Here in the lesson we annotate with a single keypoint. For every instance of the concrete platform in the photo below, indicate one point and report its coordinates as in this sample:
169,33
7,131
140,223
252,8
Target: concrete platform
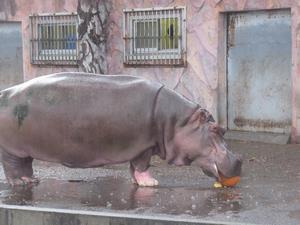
267,194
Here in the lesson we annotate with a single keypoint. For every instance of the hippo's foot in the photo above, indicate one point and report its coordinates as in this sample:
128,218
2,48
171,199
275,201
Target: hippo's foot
141,163
18,171
22,181
144,179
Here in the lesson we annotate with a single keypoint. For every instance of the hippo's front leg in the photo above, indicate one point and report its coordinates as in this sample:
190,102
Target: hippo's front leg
18,171
139,168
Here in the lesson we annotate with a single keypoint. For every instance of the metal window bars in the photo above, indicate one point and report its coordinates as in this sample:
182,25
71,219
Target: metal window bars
54,39
154,36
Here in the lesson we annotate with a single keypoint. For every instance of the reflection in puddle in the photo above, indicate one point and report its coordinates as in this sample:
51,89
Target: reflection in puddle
119,194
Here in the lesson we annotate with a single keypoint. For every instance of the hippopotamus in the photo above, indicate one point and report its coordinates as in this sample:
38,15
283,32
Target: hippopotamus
84,120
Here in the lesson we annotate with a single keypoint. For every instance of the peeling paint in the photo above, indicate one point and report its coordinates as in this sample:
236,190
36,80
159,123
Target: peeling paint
93,33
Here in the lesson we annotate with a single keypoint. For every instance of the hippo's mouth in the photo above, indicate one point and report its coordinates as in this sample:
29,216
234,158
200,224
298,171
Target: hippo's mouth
214,172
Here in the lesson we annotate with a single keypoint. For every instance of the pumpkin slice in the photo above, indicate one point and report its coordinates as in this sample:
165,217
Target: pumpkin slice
229,182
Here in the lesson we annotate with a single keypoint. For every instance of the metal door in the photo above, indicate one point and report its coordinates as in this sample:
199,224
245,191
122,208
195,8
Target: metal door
259,71
11,60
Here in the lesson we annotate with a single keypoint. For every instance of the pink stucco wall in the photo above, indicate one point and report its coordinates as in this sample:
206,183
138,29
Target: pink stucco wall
202,80
19,10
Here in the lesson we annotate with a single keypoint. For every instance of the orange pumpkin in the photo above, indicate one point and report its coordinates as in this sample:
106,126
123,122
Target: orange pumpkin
229,182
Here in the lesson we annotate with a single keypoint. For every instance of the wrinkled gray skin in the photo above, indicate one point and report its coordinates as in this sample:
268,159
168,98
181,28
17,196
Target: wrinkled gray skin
84,120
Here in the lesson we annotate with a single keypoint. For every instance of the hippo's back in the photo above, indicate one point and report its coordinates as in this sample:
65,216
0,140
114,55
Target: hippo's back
56,117
72,81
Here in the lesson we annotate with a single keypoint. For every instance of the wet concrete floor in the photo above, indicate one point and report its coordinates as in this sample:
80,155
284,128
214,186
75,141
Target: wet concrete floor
269,191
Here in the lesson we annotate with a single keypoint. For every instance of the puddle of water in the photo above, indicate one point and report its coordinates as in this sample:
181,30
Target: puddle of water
118,194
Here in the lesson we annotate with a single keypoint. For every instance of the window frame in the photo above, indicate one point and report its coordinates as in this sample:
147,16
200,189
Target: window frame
154,56
53,56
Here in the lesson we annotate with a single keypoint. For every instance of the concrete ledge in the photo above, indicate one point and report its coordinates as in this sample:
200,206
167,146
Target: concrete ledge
16,215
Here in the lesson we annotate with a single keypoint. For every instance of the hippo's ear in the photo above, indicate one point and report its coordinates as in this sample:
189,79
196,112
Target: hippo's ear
202,116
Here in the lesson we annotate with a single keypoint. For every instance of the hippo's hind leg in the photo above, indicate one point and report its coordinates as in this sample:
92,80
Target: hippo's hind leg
18,171
139,168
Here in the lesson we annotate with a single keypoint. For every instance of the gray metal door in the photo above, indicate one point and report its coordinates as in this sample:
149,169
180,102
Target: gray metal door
259,71
11,60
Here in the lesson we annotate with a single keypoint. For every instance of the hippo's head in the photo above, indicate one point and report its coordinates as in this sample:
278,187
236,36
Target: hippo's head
214,157
201,141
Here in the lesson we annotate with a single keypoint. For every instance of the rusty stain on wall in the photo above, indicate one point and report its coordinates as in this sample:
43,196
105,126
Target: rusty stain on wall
242,122
231,30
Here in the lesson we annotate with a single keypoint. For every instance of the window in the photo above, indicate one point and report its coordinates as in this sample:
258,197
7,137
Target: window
54,39
154,36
